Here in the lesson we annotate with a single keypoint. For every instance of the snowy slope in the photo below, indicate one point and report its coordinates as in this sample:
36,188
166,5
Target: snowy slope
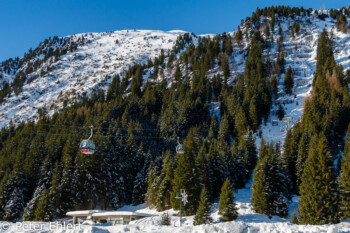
248,221
100,56
301,55
92,65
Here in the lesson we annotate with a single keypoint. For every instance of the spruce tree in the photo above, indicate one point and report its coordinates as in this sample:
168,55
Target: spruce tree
165,179
153,182
227,206
186,178
204,169
237,166
344,181
224,129
42,210
17,191
289,81
273,84
318,202
290,157
239,36
213,130
280,112
203,212
225,67
270,192
136,83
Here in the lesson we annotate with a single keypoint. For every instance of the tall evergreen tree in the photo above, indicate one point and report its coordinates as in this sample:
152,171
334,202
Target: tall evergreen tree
270,192
288,81
227,206
290,157
186,177
203,212
164,188
344,181
318,202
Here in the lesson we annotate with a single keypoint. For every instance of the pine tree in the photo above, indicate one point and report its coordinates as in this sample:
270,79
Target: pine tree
228,46
273,84
213,130
203,212
239,36
67,181
290,157
270,192
153,182
318,202
237,166
227,206
294,219
17,190
55,193
225,67
140,186
164,188
289,81
302,155
42,210
136,83
114,88
253,114
280,112
186,177
204,169
224,130
241,122
344,181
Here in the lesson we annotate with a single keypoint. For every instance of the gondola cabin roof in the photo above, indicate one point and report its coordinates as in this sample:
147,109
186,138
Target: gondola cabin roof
180,149
87,147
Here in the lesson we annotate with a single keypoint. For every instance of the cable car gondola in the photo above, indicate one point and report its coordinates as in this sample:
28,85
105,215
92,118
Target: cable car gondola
247,136
180,149
282,129
87,146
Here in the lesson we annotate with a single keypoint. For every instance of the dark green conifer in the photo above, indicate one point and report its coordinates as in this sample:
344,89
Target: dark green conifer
186,178
289,81
344,181
227,206
203,212
318,202
239,36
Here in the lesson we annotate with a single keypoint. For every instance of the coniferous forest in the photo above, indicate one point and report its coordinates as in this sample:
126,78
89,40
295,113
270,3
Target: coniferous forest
138,122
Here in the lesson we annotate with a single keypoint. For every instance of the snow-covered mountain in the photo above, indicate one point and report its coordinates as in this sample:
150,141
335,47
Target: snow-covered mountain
60,69
96,59
89,61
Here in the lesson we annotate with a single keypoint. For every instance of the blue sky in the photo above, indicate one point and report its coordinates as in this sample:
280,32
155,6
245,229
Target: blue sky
25,23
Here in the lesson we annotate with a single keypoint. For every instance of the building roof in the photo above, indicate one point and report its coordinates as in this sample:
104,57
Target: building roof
120,213
101,213
82,212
